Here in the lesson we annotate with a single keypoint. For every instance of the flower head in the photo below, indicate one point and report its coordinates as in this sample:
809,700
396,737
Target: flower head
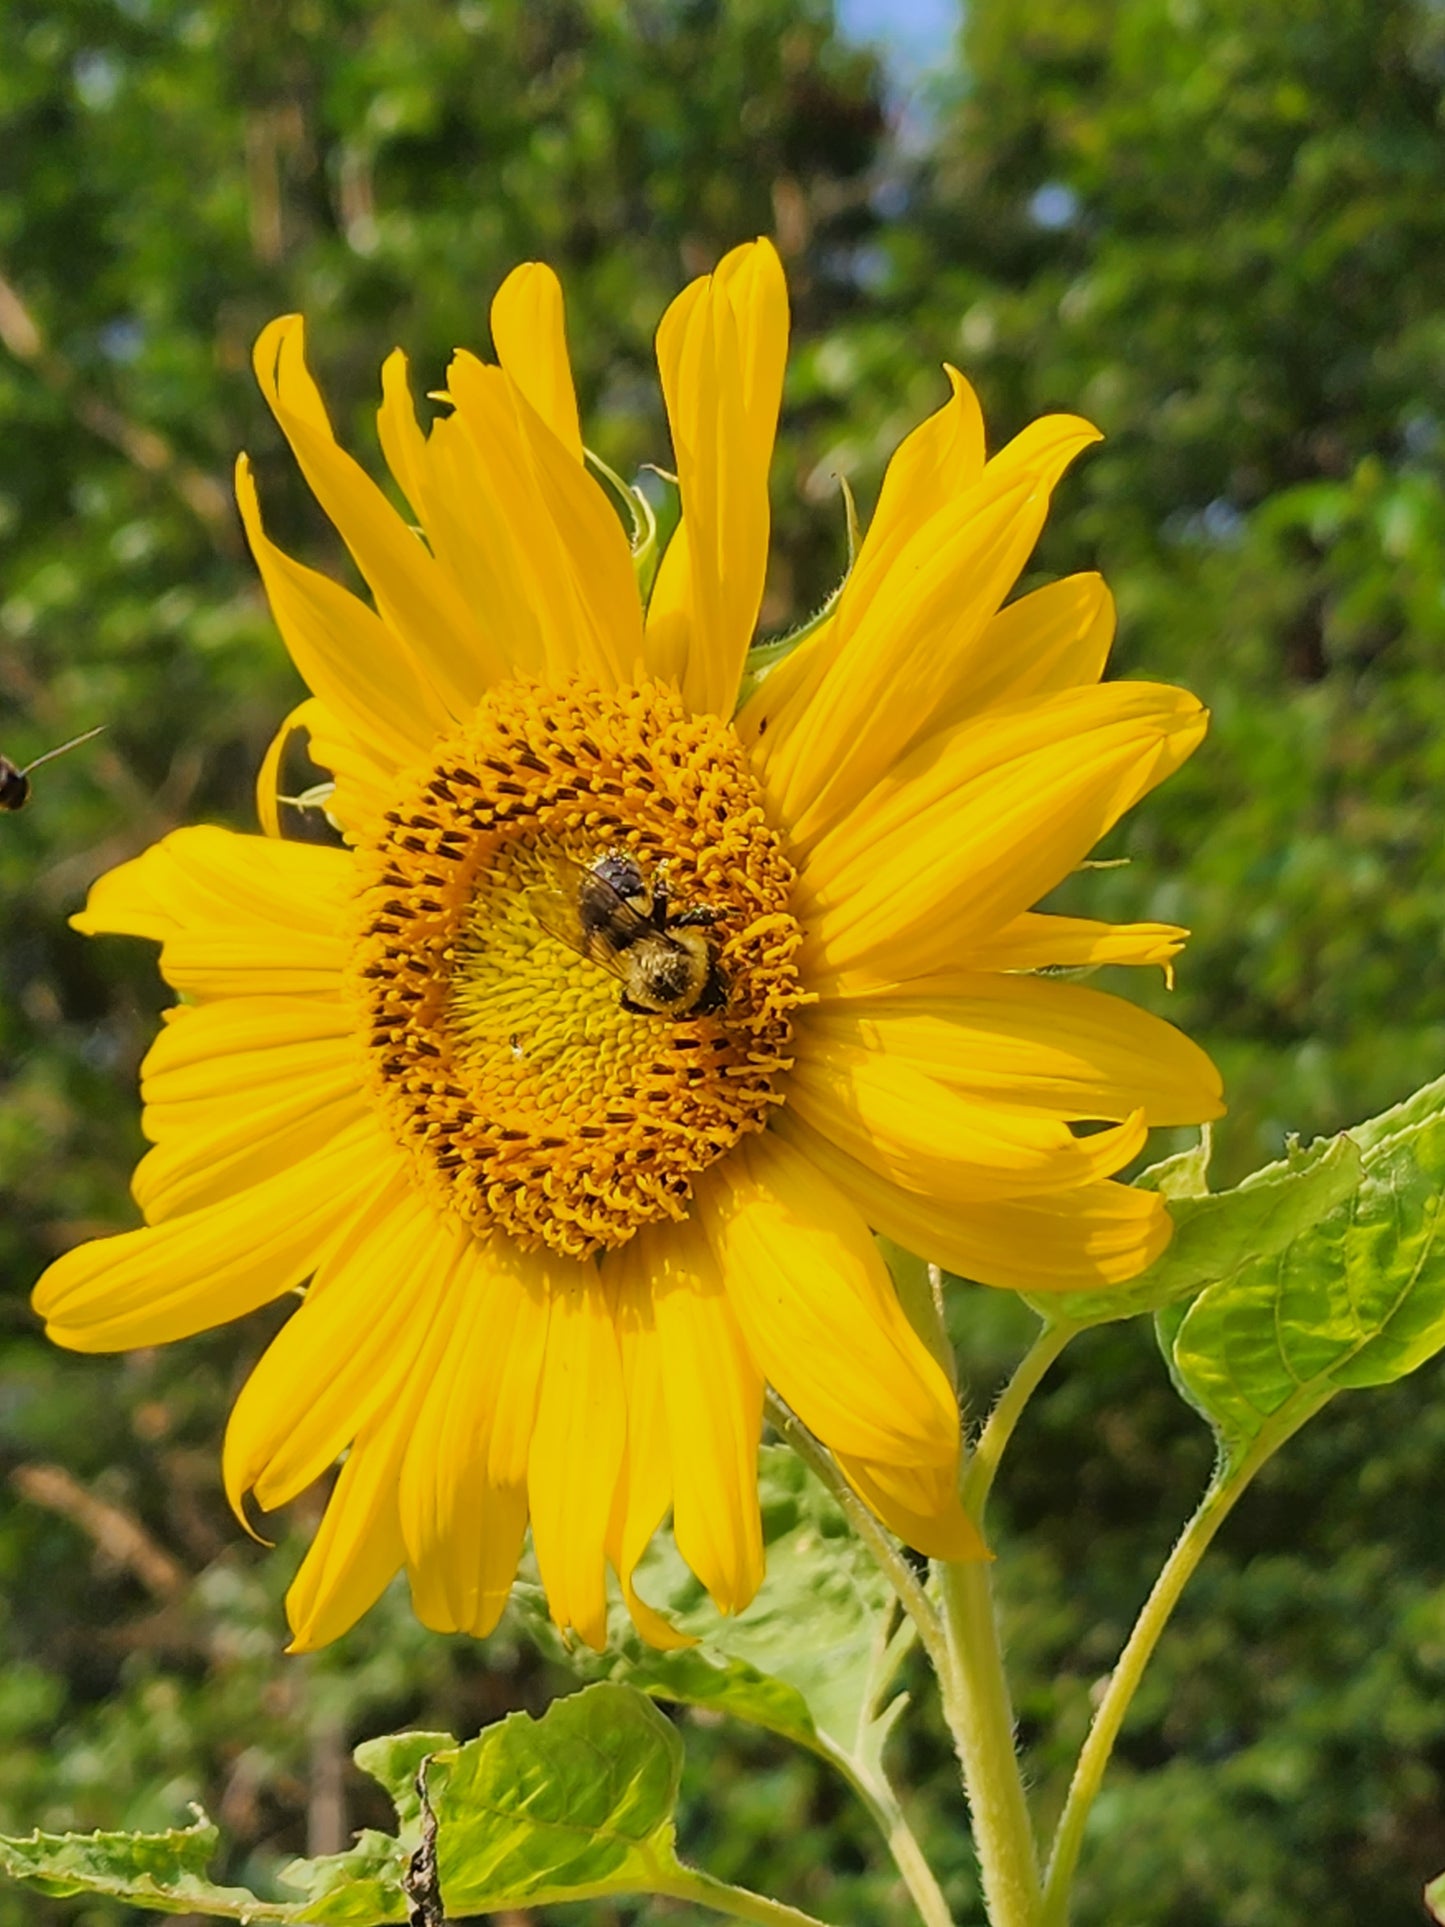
574,1084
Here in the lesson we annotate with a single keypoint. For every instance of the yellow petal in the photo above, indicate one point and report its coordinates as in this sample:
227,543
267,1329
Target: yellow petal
530,336
930,469
370,682
1085,1239
819,1310
1050,640
230,1152
236,915
720,350
963,842
238,1091
714,1395
919,1503
268,777
414,596
779,704
942,769
1034,1045
1029,942
644,1489
346,1355
905,640
362,787
203,1269
1058,637
671,620
932,466
568,547
207,1051
1034,942
577,1449
358,1549
915,1129
361,1544
462,1523
476,510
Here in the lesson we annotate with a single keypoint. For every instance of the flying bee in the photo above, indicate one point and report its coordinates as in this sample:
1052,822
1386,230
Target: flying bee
613,916
15,783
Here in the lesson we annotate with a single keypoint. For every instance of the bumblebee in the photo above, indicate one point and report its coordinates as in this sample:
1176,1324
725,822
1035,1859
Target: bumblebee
613,916
15,783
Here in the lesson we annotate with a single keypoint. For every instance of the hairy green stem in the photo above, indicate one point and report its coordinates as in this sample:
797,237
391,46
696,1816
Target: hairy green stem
1178,1569
918,1876
974,1685
983,1462
877,1795
896,1569
980,1717
689,1883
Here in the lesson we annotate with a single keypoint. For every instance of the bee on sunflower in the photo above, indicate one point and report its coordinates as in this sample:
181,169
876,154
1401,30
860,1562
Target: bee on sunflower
557,1233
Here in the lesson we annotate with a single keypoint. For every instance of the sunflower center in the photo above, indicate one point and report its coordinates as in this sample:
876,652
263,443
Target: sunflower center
575,962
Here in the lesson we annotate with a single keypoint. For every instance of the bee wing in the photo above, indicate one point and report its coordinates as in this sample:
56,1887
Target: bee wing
588,916
556,912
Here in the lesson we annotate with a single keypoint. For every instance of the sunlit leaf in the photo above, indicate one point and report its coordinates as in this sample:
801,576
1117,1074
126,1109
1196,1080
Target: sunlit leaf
1356,1299
162,1872
577,1803
364,1885
166,1872
361,1888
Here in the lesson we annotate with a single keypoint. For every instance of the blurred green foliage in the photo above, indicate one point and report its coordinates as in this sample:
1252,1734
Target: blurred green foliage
1219,230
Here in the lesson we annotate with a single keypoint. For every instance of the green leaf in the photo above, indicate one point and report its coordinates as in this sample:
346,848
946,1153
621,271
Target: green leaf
798,1661
576,1804
1186,1174
1357,1298
164,1872
395,1760
360,1888
1419,1108
363,1886
1435,1897
1218,1232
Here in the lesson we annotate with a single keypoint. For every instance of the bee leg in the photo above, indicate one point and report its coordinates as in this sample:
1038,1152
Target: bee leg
634,1009
698,917
714,995
661,898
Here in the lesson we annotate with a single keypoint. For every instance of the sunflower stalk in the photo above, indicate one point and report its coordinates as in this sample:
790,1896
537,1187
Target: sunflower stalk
1223,1493
737,1903
981,1466
979,1712
878,1796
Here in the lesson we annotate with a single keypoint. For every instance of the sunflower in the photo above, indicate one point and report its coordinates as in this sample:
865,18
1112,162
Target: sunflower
553,1234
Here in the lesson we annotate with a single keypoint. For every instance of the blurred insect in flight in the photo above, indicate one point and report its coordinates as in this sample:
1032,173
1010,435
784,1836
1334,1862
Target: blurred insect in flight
15,783
613,916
